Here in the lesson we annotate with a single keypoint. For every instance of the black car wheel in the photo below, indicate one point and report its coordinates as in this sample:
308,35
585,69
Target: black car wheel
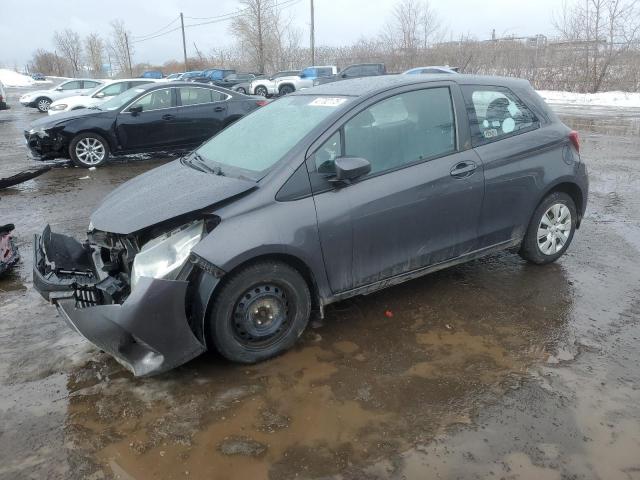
551,229
262,91
89,150
241,90
259,312
43,104
286,89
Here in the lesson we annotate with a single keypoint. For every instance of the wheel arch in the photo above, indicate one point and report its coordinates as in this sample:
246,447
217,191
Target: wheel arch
286,84
102,133
570,188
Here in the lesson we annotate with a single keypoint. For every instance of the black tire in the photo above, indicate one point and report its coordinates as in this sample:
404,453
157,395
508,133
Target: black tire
81,161
286,89
241,90
533,243
261,90
280,297
43,104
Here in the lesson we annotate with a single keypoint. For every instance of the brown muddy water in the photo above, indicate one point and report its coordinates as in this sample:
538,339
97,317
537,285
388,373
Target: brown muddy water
493,369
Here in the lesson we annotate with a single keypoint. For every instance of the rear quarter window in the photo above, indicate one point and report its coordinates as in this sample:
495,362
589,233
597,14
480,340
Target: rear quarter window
496,113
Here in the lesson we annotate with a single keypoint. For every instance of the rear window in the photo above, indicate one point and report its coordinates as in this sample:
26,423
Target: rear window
496,113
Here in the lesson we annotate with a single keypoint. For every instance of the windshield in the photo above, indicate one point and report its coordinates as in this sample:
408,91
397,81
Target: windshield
120,100
282,124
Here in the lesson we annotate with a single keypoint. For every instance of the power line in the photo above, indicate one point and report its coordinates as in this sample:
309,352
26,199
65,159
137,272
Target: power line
157,31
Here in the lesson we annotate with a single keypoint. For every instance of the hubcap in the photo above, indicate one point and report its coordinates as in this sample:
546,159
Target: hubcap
260,317
554,229
261,91
44,105
90,151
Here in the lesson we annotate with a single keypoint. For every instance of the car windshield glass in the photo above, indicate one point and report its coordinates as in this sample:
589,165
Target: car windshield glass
120,100
93,90
282,124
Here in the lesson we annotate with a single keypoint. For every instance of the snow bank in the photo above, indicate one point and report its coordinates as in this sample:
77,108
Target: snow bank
604,99
14,79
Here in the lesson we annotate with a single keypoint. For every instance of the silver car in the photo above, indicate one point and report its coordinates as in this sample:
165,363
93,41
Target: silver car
42,99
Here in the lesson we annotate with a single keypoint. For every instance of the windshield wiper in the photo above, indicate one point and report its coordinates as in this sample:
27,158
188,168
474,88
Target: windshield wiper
199,163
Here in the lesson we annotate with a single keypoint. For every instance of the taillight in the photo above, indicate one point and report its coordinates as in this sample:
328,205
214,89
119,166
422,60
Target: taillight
262,103
575,140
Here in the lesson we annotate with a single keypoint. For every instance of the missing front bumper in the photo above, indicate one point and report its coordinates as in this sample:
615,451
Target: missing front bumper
148,333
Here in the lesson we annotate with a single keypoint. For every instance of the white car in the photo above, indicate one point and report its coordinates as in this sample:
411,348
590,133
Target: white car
266,86
42,99
286,85
433,70
109,89
3,98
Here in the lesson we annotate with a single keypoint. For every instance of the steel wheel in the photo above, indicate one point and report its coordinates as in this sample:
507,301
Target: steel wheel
44,104
554,229
261,316
90,151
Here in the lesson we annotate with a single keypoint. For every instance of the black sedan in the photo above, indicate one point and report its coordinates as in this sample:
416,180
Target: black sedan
159,116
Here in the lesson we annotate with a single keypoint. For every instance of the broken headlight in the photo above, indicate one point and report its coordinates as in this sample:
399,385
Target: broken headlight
163,256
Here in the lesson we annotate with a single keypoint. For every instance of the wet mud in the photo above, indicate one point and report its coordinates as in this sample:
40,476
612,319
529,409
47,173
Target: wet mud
492,369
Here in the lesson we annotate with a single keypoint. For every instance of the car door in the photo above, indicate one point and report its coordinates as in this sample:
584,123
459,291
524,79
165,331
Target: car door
201,113
506,135
419,205
153,127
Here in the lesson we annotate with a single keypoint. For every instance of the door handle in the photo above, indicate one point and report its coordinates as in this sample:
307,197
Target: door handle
168,116
218,109
463,169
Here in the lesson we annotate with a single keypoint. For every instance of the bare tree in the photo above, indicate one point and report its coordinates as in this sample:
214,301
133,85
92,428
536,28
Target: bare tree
68,44
120,51
606,30
47,63
94,50
252,29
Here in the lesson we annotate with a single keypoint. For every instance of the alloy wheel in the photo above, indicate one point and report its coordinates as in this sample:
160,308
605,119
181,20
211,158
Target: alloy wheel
43,105
554,229
90,151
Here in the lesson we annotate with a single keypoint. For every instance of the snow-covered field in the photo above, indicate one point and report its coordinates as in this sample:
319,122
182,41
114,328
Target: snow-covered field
603,99
13,79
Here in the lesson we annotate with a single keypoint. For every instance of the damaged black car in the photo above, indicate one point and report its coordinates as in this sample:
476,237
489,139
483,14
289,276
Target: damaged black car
350,187
153,117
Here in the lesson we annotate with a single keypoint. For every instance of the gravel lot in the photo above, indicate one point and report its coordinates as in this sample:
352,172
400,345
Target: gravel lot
493,369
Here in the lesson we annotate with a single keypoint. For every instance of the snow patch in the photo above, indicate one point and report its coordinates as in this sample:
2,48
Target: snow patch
603,99
13,79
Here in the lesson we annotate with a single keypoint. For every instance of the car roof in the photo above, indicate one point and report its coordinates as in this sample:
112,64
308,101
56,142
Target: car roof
159,85
365,86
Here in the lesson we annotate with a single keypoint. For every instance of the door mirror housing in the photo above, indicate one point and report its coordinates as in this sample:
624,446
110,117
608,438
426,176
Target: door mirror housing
99,95
58,89
350,168
135,110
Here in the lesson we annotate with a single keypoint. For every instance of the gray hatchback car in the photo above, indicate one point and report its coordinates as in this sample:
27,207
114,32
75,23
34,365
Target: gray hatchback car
351,187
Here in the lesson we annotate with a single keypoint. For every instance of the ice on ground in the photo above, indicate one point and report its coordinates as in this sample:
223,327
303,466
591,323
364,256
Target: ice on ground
603,99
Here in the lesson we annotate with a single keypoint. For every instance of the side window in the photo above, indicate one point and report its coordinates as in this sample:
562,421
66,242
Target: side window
194,96
114,89
90,84
496,113
218,96
74,85
403,129
155,100
353,71
368,70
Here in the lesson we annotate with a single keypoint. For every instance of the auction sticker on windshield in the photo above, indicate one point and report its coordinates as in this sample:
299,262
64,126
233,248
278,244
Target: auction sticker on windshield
327,102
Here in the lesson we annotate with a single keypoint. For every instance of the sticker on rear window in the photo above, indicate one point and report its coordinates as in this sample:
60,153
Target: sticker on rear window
327,102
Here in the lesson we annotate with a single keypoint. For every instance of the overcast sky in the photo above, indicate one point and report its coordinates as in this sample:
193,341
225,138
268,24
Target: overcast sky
28,25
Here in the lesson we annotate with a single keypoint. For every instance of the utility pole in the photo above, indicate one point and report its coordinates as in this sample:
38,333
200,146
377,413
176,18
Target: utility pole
126,41
313,37
184,43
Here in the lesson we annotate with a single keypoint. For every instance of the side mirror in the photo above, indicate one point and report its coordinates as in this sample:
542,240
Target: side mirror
135,110
58,89
344,75
99,95
350,168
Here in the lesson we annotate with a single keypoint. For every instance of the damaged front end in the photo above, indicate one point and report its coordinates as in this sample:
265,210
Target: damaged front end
150,322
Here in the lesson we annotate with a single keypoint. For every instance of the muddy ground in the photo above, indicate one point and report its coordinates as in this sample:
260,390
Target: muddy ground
493,369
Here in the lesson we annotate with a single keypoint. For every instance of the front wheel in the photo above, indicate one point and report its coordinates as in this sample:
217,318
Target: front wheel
551,229
261,91
259,312
43,104
286,90
89,150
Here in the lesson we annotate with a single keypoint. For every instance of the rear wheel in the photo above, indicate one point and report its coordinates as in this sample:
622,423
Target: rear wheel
89,150
259,312
286,89
241,90
43,104
551,229
262,91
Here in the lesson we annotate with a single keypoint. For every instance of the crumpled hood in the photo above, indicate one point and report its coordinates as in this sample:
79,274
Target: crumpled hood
53,120
162,194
